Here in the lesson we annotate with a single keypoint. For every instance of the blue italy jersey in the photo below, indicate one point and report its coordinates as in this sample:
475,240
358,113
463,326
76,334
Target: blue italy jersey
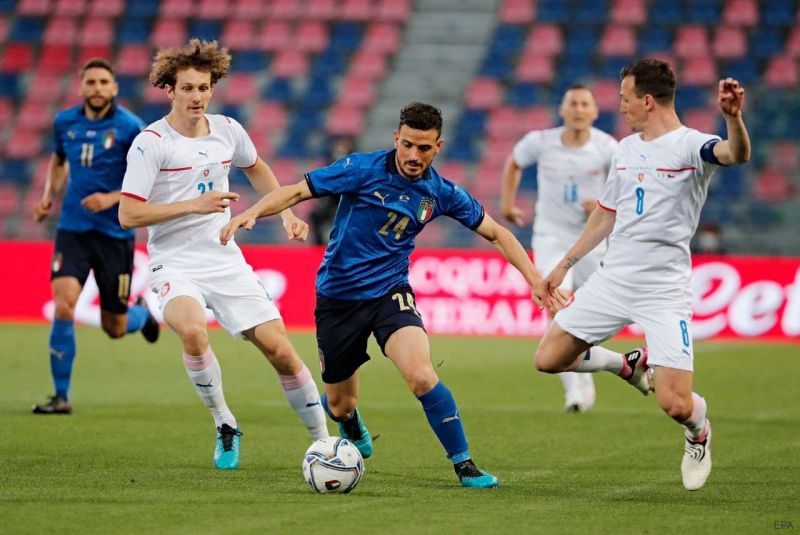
96,152
379,216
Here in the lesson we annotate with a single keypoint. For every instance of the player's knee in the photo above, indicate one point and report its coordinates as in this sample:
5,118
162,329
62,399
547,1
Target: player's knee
422,381
544,362
285,359
114,330
65,310
194,338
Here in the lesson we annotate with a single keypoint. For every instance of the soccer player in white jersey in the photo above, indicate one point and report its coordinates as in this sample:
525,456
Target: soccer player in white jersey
572,162
650,206
177,185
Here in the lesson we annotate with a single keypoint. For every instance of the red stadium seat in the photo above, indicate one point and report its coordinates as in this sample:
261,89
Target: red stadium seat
251,10
133,59
275,36
793,42
3,29
704,120
606,94
700,71
61,31
34,8
91,52
311,36
286,9
321,10
773,186
177,9
618,41
517,12
368,65
545,39
393,10
628,12
382,37
729,42
505,123
154,95
691,41
97,32
483,94
17,57
56,58
290,64
23,144
286,171
357,92
263,143
239,89
70,8
453,171
355,10
9,199
535,68
344,121
213,10
239,35
784,155
269,117
740,13
781,73
45,87
536,118
168,33
6,111
106,8
34,116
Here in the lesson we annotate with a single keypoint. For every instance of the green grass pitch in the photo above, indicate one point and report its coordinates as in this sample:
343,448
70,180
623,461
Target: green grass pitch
136,455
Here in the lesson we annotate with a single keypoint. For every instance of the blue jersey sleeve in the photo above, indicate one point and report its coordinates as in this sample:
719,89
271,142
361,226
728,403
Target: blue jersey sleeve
461,206
58,140
342,176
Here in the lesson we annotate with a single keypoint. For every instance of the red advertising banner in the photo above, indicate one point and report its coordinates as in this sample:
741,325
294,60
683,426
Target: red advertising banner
471,292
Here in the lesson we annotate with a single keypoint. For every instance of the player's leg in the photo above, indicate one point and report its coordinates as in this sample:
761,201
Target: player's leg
340,402
112,261
295,378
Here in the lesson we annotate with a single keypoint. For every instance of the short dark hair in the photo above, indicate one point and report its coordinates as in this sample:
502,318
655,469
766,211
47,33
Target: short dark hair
97,63
421,116
652,77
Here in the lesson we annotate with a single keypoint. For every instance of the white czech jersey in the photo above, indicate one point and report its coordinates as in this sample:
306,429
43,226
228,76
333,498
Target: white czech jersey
165,167
566,177
657,189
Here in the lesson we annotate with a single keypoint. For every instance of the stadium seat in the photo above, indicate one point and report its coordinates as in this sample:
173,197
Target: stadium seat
34,116
346,36
356,92
740,13
344,121
483,93
91,52
594,12
766,42
168,33
311,36
355,10
452,171
251,10
743,69
507,39
555,11
141,9
254,61
393,10
154,95
785,155
69,8
213,10
535,69
522,94
275,36
618,41
133,60
705,12
793,42
517,12
655,40
781,73
9,199
279,89
729,42
208,30
704,120
691,41
666,13
382,37
23,144
10,85
106,8
27,30
628,12
34,8
504,123
61,31
368,65
270,117
700,71
778,12
6,110
45,87
176,9
773,186
133,31
321,10
581,41
3,29
130,87
286,9
239,89
97,32
17,58
606,94
290,64
536,118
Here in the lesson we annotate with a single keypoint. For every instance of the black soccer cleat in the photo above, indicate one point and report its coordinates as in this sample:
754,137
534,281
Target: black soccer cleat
151,328
472,476
56,405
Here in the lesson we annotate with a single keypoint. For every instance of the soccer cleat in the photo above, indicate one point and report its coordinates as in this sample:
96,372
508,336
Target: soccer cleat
472,476
639,378
151,328
226,453
696,463
582,397
56,405
354,430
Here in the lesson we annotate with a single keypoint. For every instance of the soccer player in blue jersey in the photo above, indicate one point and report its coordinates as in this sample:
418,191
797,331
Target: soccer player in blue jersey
387,198
91,142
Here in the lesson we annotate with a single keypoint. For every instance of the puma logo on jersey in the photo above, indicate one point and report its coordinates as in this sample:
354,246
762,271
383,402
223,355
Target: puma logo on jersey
140,149
347,162
201,153
381,197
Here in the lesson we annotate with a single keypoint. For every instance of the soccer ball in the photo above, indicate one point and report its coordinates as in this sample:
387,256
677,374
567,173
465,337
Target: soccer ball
333,464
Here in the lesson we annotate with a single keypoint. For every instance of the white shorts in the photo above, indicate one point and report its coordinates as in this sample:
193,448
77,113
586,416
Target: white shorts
549,250
602,308
237,297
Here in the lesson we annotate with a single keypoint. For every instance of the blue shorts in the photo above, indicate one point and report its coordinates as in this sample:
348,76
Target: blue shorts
343,328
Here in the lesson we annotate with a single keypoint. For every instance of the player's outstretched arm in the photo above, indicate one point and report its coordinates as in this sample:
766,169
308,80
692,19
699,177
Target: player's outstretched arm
512,174
54,183
264,181
273,203
135,213
730,99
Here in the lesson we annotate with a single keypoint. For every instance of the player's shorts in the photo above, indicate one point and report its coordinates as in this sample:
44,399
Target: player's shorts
76,253
343,328
603,307
548,252
236,296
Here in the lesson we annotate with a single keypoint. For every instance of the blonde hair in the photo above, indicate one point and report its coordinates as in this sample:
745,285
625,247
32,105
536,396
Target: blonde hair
205,56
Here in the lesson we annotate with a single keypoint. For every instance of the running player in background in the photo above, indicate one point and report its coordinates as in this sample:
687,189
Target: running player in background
177,185
90,143
650,206
387,198
572,162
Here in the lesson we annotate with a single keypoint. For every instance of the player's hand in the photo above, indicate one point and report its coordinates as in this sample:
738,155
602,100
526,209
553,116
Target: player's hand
513,214
246,219
296,228
97,202
588,206
730,98
42,210
214,201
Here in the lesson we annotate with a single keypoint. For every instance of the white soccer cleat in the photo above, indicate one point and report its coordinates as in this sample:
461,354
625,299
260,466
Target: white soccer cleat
640,379
580,397
696,464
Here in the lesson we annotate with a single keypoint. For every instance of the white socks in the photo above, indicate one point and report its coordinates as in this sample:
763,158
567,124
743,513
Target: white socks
600,359
697,424
206,376
302,394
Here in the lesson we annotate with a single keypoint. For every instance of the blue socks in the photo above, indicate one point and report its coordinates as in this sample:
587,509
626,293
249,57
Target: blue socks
137,316
443,417
62,353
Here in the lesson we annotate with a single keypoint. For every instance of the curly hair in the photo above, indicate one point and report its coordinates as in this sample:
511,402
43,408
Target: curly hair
205,56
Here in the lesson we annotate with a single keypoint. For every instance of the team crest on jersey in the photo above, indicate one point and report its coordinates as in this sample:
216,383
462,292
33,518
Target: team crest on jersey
425,210
164,289
640,176
205,172
108,139
58,261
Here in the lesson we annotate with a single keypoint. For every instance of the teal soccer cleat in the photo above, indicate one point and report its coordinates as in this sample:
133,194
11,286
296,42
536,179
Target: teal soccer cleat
472,476
226,452
356,432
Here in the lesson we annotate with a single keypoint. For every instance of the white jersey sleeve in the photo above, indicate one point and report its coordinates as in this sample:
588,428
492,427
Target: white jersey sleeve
527,150
144,162
693,143
244,153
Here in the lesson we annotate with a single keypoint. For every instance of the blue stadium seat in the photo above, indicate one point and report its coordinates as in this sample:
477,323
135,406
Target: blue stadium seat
250,61
18,171
295,145
507,39
555,11
330,62
728,183
234,112
744,70
766,42
669,12
496,65
607,122
687,97
7,6
130,86
10,85
141,9
462,148
761,215
716,211
705,12
134,31
280,90
151,113
472,122
318,93
655,39
27,30
523,94
581,41
345,36
210,30
778,12
589,12
611,66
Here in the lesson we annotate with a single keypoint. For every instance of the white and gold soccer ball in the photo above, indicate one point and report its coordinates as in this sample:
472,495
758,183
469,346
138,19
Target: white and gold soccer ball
333,464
